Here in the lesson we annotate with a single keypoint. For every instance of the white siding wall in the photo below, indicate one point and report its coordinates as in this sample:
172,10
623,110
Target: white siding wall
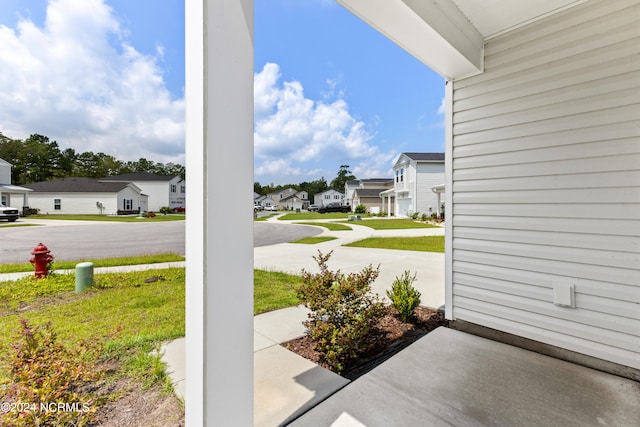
546,182
158,192
428,176
5,173
74,203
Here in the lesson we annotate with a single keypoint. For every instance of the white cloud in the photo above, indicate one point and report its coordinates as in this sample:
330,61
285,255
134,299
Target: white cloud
294,133
78,81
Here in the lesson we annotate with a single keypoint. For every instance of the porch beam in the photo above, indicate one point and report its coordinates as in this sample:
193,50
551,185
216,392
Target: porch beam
434,31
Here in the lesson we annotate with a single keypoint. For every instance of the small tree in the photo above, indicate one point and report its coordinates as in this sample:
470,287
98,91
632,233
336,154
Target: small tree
343,310
404,297
361,209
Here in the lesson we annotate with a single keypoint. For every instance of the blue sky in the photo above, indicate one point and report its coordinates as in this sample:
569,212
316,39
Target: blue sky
108,75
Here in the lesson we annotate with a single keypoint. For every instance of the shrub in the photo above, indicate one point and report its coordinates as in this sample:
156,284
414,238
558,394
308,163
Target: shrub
165,210
415,215
404,297
343,310
150,215
44,374
424,217
361,209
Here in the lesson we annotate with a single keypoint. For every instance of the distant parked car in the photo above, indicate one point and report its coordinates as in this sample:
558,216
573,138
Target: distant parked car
257,207
334,207
272,208
10,214
313,208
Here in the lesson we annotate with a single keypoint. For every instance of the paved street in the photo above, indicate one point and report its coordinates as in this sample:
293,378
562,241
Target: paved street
72,240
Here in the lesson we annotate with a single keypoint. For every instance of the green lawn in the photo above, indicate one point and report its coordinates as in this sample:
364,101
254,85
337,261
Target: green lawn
274,290
106,262
392,224
128,316
332,226
118,218
314,215
264,218
422,243
315,239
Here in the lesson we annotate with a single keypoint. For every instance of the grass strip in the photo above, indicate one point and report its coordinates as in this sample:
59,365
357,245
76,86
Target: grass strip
113,218
273,290
105,262
393,224
422,243
313,240
303,216
332,226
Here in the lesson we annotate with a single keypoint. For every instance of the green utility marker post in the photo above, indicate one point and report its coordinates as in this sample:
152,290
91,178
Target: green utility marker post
84,276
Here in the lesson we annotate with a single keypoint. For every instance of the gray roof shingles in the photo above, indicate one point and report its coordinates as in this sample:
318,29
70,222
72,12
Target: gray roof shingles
76,185
138,176
433,157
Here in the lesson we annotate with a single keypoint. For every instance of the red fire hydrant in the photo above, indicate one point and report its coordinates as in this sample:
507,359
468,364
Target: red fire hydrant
41,260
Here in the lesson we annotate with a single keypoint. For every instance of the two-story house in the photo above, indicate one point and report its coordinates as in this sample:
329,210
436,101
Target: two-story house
414,176
11,195
289,199
328,196
366,192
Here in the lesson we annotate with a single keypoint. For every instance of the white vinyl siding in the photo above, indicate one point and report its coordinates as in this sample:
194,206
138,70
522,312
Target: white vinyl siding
546,182
428,176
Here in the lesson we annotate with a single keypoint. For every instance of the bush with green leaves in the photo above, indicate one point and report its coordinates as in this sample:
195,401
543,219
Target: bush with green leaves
424,217
44,375
415,215
165,210
361,209
404,297
343,310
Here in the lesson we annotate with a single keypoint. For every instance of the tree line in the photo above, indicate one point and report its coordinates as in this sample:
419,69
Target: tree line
38,159
311,187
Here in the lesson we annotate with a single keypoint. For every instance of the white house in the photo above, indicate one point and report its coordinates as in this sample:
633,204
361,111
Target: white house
163,190
328,196
289,198
542,165
11,195
86,196
414,174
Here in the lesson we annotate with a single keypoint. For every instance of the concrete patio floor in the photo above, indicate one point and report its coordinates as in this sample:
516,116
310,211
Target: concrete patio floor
452,378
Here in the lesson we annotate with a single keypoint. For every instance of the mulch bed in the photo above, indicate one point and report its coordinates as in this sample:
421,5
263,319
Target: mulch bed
389,336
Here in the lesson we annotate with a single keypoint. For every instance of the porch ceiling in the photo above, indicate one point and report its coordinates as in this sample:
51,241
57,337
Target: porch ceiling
448,35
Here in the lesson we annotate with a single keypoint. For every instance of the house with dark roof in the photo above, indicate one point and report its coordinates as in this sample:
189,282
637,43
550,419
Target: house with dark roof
289,198
163,190
351,185
414,176
86,196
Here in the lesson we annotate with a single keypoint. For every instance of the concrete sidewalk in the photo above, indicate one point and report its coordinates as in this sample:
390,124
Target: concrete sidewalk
428,266
285,385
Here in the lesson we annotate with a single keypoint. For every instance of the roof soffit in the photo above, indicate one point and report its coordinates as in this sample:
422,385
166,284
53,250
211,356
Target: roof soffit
434,31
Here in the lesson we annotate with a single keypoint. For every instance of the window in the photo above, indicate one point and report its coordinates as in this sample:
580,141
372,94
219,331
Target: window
182,189
401,174
128,204
5,201
327,196
173,188
336,197
397,175
57,205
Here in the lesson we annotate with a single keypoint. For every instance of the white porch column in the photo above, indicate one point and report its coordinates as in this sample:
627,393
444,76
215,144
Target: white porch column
219,247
